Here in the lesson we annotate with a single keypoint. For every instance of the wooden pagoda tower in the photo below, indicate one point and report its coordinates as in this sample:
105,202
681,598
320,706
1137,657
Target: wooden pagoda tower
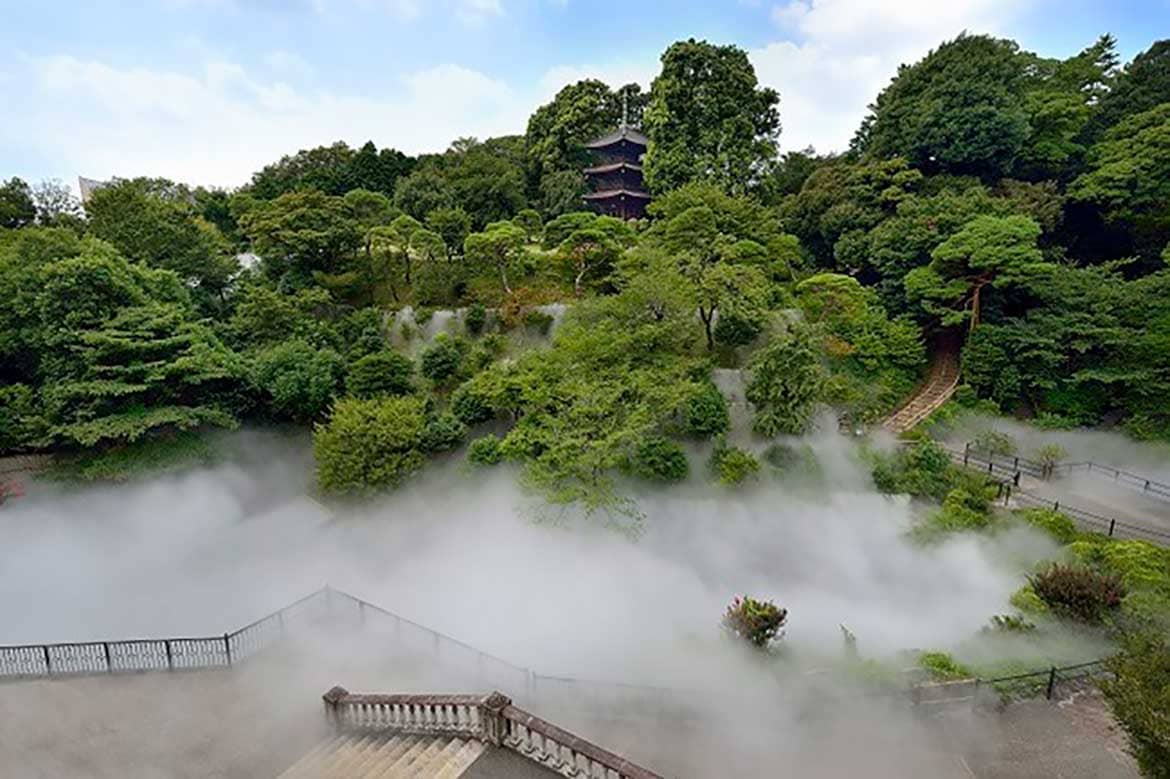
615,179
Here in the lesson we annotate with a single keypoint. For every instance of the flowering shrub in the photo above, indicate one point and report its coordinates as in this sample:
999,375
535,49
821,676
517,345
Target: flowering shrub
1078,592
758,622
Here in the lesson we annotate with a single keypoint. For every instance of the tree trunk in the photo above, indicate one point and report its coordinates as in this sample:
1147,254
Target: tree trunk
504,279
581,269
707,316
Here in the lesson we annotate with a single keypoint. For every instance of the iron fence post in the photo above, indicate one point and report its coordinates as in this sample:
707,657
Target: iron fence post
227,648
170,657
106,650
1056,505
966,453
1051,682
1112,524
48,662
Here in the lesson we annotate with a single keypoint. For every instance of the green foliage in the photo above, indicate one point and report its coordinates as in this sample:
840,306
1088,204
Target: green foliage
961,109
705,412
298,380
380,373
1139,696
22,422
731,465
442,433
1055,524
301,232
334,170
995,442
659,459
943,667
962,511
1009,623
369,444
709,119
441,361
497,249
146,369
1077,592
16,204
784,384
1128,175
758,622
128,461
476,318
485,450
922,470
264,316
163,233
453,225
530,222
989,250
1026,600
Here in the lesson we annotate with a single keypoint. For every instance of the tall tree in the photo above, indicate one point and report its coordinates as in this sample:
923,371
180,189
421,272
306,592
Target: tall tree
16,204
960,109
301,232
708,118
1141,86
56,204
162,232
558,130
1128,176
497,249
988,251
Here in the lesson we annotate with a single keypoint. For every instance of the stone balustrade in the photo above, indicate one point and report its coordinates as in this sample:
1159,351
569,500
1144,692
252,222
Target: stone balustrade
492,719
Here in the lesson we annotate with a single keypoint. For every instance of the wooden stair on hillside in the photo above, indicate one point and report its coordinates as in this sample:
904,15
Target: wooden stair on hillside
938,389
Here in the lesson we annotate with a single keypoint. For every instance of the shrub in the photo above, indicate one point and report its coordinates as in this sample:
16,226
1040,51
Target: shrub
22,423
380,373
471,406
995,442
922,470
659,459
369,444
441,360
942,666
1026,600
442,433
706,412
732,465
785,380
476,318
734,329
1049,456
961,511
1055,524
758,622
539,321
299,380
1077,592
1009,623
485,451
1139,695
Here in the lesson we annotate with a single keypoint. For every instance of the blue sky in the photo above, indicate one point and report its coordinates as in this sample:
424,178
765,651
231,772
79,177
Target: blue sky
209,90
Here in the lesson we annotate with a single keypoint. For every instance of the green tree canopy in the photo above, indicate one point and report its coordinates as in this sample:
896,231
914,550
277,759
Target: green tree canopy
369,444
784,384
303,232
17,208
708,119
989,250
960,109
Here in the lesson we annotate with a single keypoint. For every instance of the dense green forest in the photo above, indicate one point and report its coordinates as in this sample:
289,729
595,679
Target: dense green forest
1014,204
1023,202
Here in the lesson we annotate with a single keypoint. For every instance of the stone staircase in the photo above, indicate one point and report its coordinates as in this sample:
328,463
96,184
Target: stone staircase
387,755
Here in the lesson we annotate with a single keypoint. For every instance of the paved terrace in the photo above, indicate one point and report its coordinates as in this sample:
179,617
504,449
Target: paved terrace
261,716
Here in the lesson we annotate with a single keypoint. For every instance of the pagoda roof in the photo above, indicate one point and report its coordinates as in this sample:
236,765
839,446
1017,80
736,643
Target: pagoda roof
608,193
612,167
618,135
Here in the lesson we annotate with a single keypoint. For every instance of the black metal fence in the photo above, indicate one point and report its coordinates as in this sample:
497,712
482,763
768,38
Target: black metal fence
157,654
1008,470
1039,470
1049,682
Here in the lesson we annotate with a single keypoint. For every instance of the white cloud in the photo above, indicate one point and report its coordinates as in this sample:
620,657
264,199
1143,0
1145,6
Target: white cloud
838,54
615,74
219,124
475,11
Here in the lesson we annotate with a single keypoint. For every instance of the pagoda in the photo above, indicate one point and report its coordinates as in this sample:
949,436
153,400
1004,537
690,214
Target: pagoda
615,180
